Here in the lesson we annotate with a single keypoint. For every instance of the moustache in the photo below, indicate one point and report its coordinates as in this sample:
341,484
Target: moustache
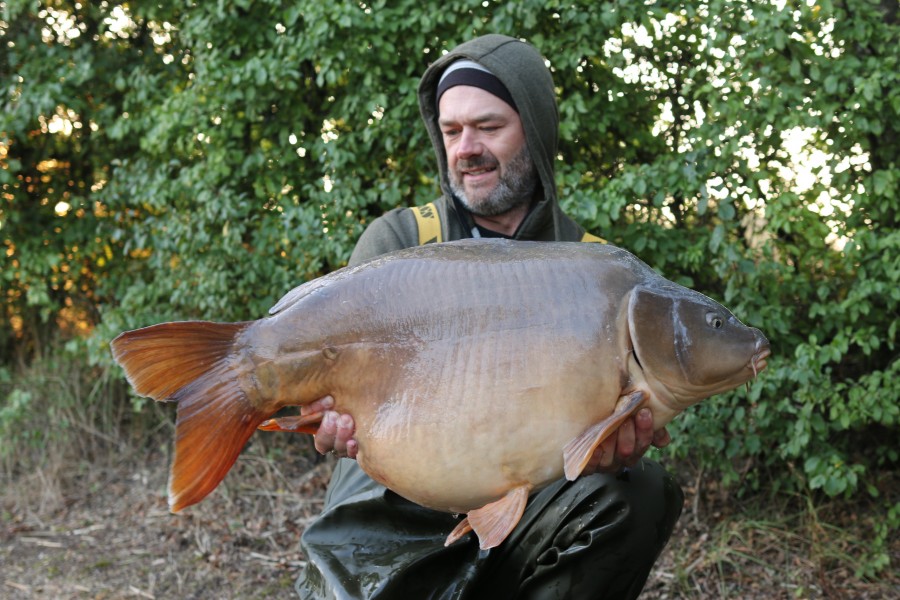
479,162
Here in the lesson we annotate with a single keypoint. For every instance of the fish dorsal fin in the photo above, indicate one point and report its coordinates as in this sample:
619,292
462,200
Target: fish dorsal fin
297,293
493,522
578,452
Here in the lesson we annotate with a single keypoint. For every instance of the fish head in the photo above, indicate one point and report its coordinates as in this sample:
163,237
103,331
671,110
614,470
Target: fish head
691,345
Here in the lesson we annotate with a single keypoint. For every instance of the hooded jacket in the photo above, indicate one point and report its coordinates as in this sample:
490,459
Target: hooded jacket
522,70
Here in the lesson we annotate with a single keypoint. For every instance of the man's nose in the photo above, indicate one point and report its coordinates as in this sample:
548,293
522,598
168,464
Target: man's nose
469,144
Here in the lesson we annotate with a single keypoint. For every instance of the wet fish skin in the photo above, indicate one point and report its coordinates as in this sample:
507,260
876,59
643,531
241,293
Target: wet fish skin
468,367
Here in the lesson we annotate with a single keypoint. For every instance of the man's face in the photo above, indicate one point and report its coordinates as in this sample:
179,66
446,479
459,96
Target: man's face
489,167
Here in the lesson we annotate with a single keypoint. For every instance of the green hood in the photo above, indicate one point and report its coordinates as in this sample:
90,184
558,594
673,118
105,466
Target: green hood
524,73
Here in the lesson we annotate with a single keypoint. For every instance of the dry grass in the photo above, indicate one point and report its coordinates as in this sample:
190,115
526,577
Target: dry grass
107,533
773,548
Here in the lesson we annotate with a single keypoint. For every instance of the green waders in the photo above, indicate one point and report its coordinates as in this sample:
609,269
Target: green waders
596,537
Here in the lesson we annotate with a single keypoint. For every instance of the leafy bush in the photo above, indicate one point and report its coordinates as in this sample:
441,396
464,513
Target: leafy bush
166,161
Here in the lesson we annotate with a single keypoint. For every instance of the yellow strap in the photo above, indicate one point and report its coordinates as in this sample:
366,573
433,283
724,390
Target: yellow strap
587,237
429,223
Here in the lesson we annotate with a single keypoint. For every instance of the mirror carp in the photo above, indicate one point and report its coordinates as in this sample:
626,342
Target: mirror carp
476,371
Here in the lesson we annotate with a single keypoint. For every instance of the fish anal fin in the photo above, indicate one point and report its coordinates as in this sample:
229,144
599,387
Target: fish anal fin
578,452
460,530
494,522
297,424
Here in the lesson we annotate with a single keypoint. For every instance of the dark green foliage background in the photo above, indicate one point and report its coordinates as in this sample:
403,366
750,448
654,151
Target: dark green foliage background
203,134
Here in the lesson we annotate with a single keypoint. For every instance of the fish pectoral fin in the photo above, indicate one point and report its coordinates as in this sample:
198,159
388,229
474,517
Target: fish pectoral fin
297,424
493,522
578,452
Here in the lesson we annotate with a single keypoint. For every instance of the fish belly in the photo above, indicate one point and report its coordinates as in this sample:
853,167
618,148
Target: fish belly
468,420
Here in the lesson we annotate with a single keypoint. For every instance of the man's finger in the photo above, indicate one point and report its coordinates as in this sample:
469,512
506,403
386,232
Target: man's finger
625,443
352,449
643,431
321,405
343,435
608,451
661,438
327,431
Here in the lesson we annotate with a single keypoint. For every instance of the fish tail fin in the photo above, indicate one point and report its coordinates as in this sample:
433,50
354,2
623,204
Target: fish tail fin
189,363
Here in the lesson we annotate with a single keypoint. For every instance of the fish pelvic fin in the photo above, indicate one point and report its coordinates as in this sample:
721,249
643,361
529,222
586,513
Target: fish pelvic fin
577,453
493,522
189,363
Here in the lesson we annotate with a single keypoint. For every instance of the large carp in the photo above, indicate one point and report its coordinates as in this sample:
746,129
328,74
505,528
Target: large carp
476,372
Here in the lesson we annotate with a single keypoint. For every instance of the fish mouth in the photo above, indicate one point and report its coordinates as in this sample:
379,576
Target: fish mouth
758,360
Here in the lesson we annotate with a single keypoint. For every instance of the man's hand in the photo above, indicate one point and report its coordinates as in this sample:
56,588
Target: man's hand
626,446
335,434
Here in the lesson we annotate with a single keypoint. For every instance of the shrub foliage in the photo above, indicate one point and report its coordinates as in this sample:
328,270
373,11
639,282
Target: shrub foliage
174,160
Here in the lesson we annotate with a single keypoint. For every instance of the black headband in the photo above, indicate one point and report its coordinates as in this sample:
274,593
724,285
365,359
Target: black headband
466,72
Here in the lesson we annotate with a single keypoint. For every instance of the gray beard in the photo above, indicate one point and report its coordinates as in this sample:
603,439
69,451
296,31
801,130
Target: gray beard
515,187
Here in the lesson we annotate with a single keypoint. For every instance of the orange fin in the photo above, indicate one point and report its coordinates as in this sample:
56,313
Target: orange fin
578,452
189,363
161,359
460,530
493,522
298,424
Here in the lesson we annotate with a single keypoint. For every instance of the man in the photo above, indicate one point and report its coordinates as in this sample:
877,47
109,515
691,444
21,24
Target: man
490,110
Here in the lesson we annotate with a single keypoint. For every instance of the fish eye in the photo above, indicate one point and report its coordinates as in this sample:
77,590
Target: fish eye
714,320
